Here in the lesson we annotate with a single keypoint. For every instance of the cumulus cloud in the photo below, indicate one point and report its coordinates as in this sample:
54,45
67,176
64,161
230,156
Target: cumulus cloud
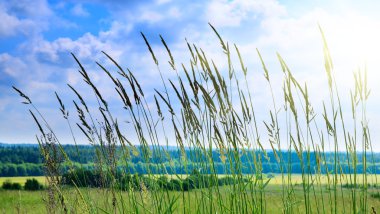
118,30
29,8
85,46
11,25
28,18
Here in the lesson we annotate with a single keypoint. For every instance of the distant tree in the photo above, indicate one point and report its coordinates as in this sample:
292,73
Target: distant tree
32,184
12,171
3,170
8,185
21,170
176,185
163,181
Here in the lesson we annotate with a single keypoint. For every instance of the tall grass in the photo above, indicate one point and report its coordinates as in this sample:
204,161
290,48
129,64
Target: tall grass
205,112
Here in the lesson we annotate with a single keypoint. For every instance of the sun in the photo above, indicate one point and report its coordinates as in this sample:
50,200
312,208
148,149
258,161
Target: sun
355,45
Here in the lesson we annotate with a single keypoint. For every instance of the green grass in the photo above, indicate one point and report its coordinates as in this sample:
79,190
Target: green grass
31,202
14,201
297,179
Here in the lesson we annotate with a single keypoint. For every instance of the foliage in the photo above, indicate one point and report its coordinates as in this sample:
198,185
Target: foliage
23,167
90,178
33,184
376,195
8,185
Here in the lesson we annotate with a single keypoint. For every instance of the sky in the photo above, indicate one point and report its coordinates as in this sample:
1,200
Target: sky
37,37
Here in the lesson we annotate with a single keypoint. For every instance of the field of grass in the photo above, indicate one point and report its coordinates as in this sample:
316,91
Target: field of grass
275,180
297,179
22,180
20,201
32,202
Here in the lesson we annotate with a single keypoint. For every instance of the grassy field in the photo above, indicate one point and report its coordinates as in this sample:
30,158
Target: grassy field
297,179
275,180
32,202
22,180
14,201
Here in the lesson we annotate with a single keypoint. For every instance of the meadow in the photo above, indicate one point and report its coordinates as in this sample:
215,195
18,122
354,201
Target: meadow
33,201
275,179
209,111
22,179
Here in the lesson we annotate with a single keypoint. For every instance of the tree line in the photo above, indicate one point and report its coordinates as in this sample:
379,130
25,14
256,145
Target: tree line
21,160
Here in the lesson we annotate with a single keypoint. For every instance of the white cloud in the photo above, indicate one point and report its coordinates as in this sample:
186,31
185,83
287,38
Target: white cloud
29,8
43,86
12,66
159,2
11,25
150,16
72,76
28,18
84,47
232,13
153,14
79,10
174,12
117,30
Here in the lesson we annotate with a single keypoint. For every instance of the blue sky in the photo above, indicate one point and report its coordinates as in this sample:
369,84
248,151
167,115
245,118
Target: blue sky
37,36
